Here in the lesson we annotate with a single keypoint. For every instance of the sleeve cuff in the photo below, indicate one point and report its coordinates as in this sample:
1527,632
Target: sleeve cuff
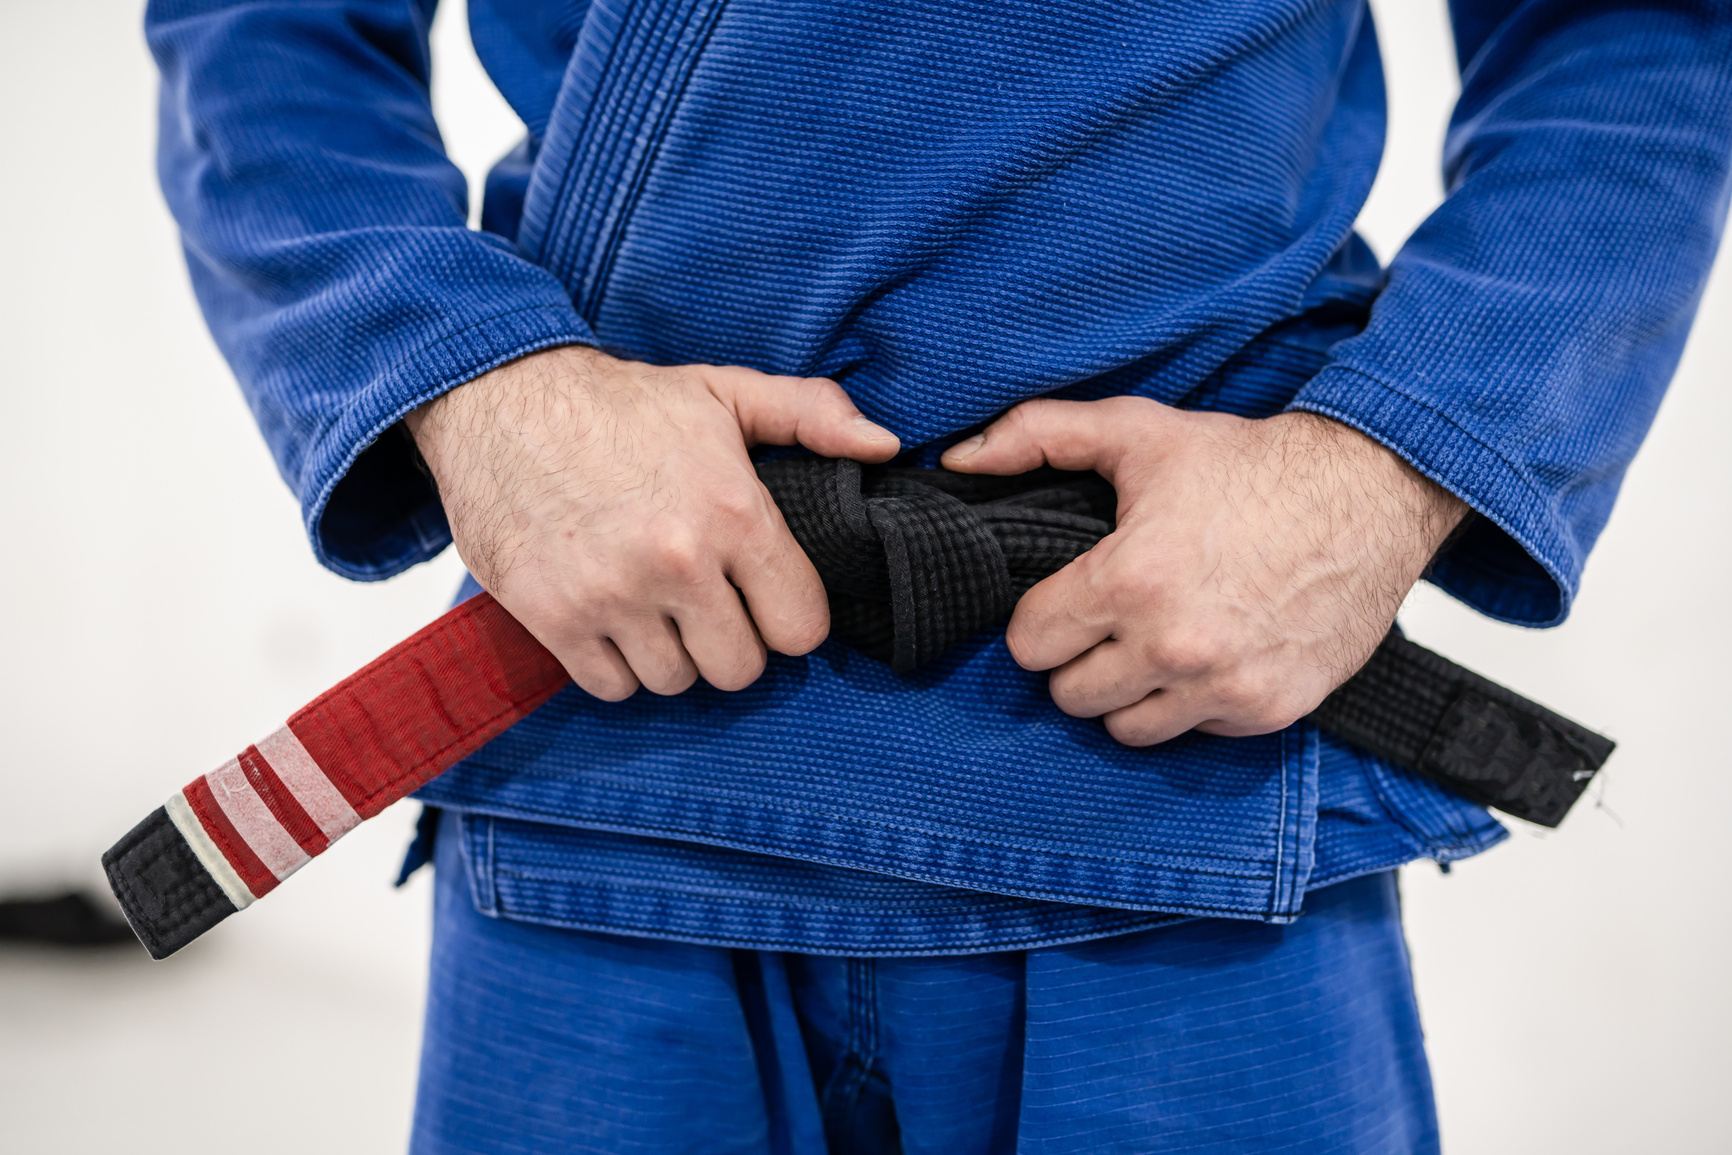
372,511
1516,561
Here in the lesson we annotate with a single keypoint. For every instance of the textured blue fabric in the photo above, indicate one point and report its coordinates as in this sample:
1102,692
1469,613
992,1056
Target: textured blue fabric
1121,833
1211,1036
950,208
1370,817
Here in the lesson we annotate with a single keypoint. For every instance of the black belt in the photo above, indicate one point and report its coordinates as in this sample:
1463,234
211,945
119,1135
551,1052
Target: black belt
916,560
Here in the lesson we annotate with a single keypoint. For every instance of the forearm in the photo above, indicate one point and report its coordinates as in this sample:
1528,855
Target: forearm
1530,326
327,239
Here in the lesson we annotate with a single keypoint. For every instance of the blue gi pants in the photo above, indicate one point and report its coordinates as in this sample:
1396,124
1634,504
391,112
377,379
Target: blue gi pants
1207,1036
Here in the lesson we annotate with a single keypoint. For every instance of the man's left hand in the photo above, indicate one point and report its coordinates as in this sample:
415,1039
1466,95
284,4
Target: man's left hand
1255,567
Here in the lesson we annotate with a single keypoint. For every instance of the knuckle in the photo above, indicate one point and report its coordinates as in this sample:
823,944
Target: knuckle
1261,714
1022,419
671,682
805,635
1068,697
602,681
741,503
1019,640
1242,696
821,391
1262,722
604,595
740,670
1130,731
662,671
801,621
1281,712
1186,652
678,553
1118,576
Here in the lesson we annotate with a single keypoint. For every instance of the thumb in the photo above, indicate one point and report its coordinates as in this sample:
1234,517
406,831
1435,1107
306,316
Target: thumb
811,411
1063,434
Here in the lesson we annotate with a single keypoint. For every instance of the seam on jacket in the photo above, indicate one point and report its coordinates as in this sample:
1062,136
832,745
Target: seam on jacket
787,808
984,944
578,134
634,193
1279,894
594,882
1201,909
1190,907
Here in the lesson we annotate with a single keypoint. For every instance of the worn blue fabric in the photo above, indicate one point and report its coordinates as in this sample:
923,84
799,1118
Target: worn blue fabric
952,207
1210,1036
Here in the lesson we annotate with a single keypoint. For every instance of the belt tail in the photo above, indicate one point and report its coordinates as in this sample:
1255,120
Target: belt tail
230,836
1486,742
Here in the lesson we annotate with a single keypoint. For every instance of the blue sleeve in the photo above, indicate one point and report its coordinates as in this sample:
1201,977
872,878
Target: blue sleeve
326,235
1530,326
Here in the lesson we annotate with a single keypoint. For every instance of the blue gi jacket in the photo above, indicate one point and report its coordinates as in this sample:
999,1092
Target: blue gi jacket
950,208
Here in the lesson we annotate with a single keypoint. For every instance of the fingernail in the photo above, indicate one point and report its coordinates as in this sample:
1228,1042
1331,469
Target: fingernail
872,431
963,450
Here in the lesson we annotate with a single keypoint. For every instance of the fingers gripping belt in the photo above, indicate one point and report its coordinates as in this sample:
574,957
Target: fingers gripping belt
914,561
917,560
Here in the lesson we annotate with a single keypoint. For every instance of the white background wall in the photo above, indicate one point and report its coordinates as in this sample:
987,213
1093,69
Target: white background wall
160,609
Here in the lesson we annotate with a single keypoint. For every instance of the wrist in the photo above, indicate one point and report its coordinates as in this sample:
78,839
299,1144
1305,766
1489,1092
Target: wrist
496,396
1382,490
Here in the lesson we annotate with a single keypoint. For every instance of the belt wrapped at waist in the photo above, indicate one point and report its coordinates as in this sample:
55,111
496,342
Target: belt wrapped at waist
914,561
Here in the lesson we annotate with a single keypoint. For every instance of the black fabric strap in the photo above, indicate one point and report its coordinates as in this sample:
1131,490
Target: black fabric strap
916,560
167,894
1424,712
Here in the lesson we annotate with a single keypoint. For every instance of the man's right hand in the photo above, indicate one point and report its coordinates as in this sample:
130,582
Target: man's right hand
611,507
